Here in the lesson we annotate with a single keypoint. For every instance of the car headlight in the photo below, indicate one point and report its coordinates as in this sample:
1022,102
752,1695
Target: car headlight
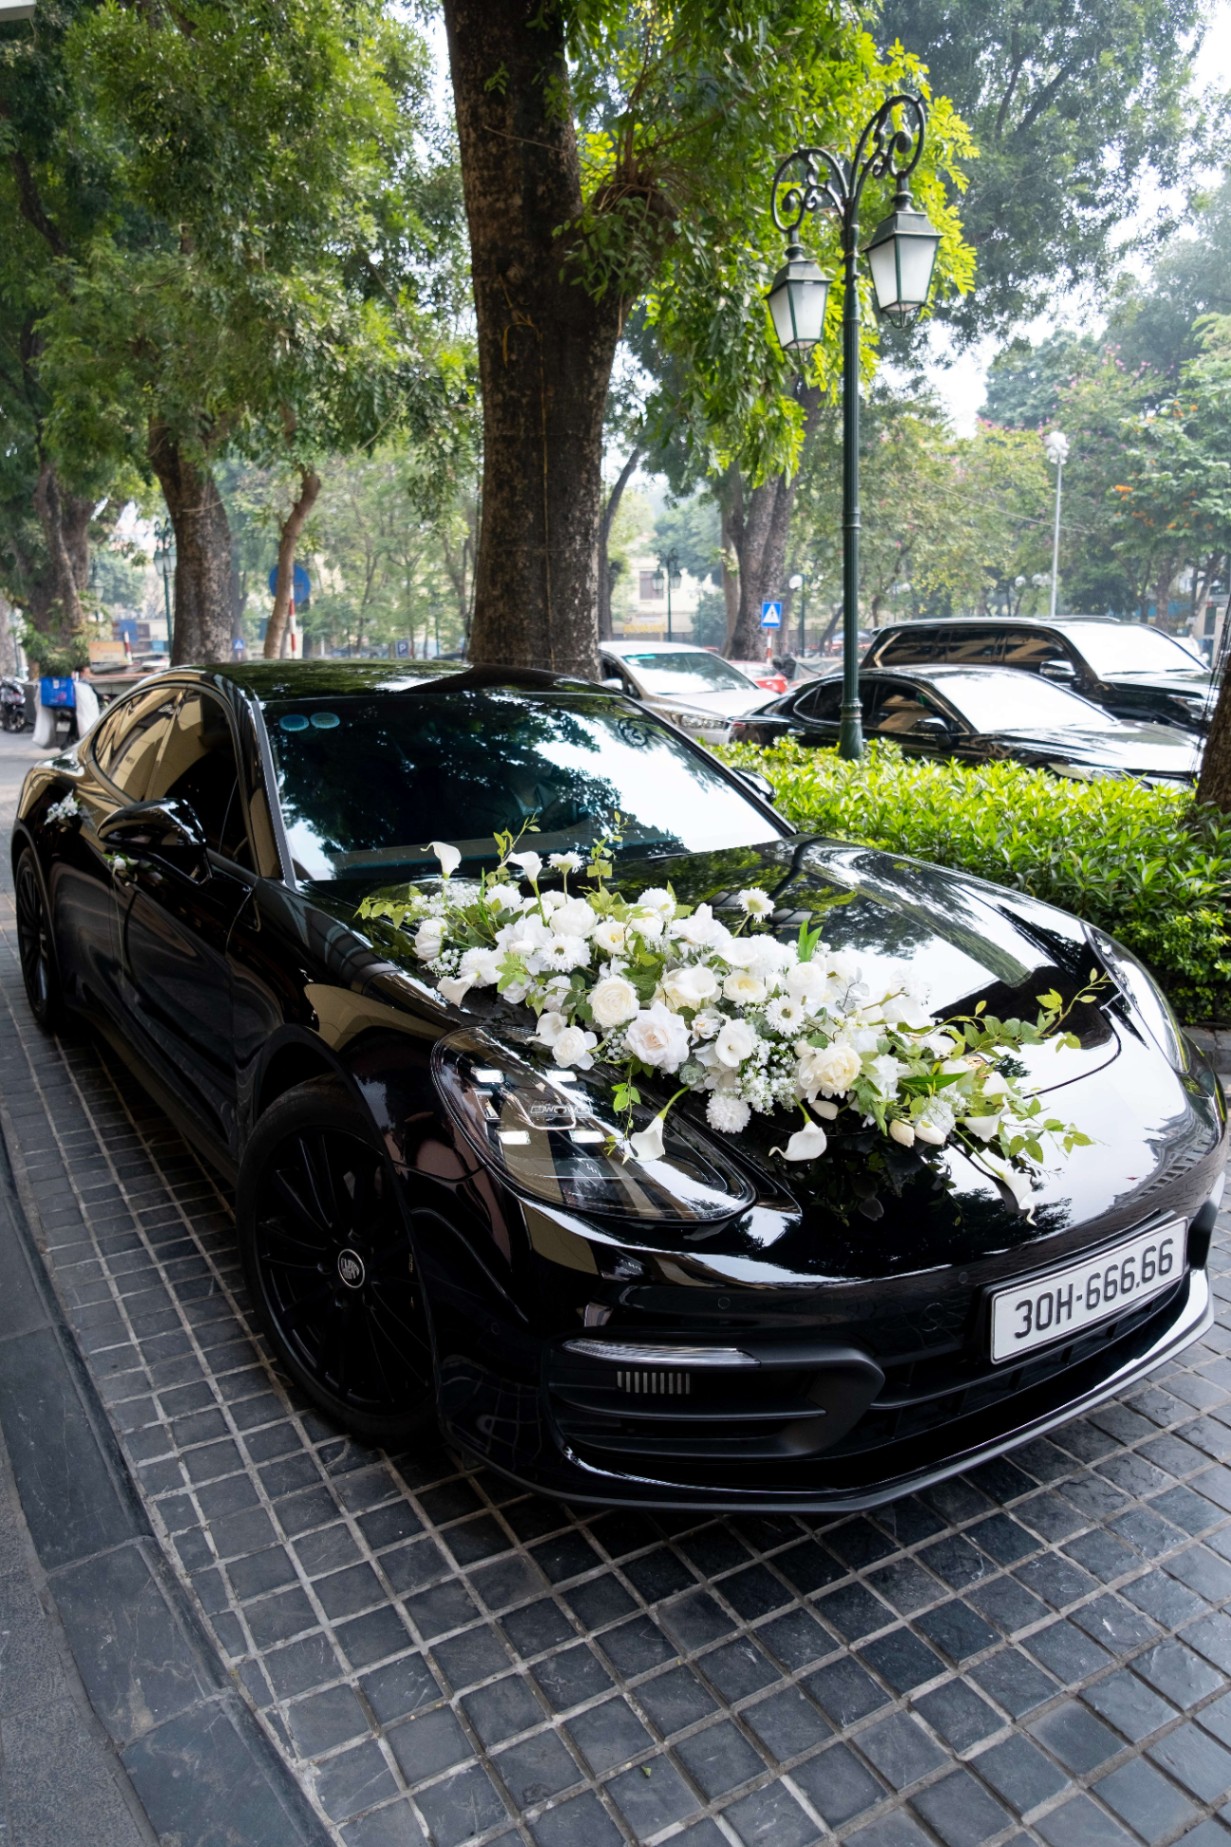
689,720
553,1135
1143,994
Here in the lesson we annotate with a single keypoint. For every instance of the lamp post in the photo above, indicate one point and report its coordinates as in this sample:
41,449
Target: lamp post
1056,448
901,256
669,563
164,551
799,582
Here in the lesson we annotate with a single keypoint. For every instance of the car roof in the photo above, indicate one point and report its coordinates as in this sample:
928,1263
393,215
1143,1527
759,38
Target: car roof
653,647
1024,622
328,679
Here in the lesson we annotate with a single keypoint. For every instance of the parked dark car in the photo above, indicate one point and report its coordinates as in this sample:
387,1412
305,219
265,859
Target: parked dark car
1132,669
981,715
713,1328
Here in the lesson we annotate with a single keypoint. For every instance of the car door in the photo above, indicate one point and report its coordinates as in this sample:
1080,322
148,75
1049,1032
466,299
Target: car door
178,917
817,714
116,763
908,714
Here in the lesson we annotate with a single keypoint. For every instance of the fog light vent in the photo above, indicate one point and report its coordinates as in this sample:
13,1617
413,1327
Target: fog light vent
661,1384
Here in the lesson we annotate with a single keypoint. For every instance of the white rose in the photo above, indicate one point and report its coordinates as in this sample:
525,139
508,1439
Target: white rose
482,966
523,937
708,1022
610,935
429,939
550,901
700,929
830,1069
769,958
743,989
573,1047
656,899
690,987
612,1001
806,982
646,923
658,1037
530,864
573,918
738,951
450,857
734,1043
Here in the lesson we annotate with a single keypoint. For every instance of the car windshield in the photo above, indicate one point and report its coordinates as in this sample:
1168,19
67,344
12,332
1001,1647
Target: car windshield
699,673
367,782
1001,699
1131,647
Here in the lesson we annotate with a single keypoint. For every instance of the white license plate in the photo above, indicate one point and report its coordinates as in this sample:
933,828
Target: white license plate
1057,1306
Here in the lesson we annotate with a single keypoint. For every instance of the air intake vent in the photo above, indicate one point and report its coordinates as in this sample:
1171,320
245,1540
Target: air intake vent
662,1384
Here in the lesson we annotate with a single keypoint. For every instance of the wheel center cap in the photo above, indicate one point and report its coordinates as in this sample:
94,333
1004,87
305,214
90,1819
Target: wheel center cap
351,1270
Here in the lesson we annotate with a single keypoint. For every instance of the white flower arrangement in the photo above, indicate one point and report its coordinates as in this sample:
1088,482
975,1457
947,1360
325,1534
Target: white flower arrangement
64,811
654,988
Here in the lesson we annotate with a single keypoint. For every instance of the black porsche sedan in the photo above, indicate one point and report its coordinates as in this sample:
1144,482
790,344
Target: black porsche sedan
980,715
715,1326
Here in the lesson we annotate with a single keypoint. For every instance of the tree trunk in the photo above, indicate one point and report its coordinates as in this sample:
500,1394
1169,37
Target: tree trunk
604,537
545,344
761,536
1215,782
730,502
64,518
201,624
288,539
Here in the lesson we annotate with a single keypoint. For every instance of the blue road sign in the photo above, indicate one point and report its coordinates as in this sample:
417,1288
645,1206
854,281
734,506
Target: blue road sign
301,585
771,613
401,648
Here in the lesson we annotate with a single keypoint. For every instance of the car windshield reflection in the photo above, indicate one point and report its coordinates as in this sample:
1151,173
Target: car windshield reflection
998,699
366,783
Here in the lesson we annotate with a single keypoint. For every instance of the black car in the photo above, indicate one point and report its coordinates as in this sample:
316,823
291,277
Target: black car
714,1327
980,715
1132,669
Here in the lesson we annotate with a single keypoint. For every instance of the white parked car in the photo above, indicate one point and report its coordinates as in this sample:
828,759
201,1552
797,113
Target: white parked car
697,690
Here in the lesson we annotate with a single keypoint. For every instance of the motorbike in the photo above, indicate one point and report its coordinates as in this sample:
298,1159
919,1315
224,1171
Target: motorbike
12,705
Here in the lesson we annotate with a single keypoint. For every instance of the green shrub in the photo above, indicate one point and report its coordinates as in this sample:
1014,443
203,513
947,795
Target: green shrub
1149,866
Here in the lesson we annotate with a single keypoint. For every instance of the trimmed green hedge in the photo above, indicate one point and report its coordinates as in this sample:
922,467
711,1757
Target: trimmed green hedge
1148,865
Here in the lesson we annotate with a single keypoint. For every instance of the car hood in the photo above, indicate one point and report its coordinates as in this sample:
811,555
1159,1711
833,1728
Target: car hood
1133,750
868,1208
722,704
1194,685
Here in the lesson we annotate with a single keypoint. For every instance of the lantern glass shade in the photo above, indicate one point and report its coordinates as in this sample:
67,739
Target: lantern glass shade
658,583
902,256
797,302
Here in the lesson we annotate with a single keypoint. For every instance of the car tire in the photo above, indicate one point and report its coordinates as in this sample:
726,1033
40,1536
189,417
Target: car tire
325,1244
35,948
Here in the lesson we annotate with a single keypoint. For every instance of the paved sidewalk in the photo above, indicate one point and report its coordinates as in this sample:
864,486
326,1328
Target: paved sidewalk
1034,1653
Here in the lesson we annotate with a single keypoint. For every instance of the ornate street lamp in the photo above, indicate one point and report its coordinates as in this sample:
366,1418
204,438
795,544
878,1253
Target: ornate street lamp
1056,449
901,256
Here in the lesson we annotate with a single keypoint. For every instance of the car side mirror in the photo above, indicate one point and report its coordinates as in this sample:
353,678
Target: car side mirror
612,684
763,786
167,830
933,726
1058,670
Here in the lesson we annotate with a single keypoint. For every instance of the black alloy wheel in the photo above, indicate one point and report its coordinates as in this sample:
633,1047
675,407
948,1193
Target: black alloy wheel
327,1255
34,946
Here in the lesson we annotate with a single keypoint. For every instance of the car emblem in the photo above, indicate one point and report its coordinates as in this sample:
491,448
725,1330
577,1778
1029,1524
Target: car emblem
351,1270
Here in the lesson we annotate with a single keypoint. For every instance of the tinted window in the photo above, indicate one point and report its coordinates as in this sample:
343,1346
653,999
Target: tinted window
898,710
907,647
824,703
1034,650
129,739
198,766
1133,647
1002,701
978,643
369,782
666,674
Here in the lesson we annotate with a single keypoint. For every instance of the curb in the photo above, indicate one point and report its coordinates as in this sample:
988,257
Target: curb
194,1752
